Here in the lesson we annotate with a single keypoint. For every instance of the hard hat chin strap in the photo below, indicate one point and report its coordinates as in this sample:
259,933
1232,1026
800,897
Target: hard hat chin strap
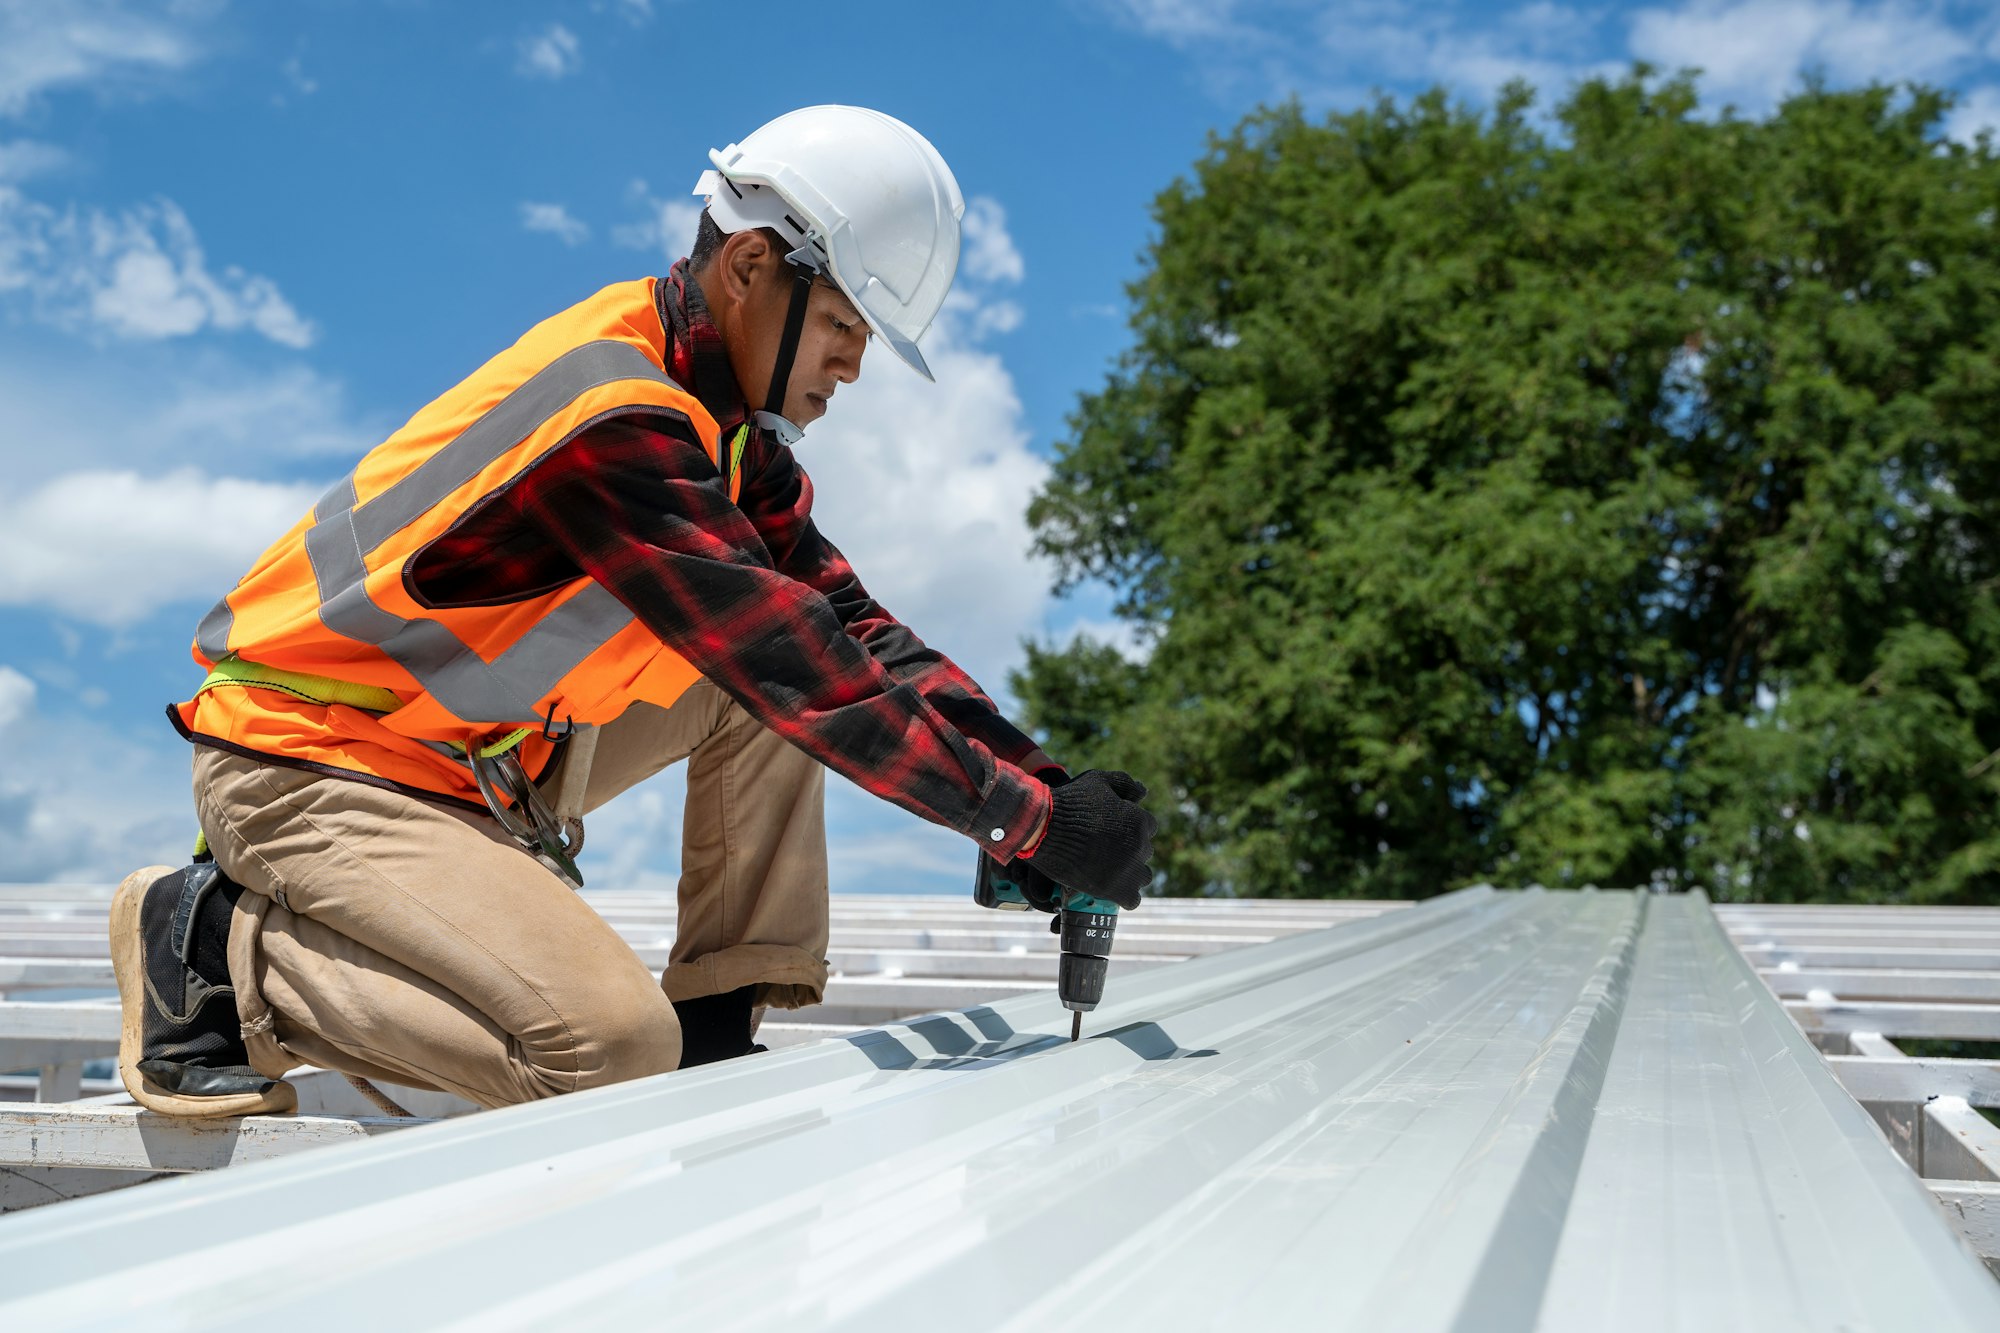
773,418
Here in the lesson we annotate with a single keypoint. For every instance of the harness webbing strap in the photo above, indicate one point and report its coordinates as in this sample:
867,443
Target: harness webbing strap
732,462
326,691
233,670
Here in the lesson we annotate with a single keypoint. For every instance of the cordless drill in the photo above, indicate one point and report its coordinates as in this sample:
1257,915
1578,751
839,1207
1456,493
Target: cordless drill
1085,924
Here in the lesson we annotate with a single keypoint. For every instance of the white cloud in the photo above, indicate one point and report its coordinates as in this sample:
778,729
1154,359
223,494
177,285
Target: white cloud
926,486
296,77
1368,46
91,808
90,533
17,696
973,318
65,408
989,254
996,317
221,413
1978,109
668,226
139,274
22,158
556,221
873,847
1123,635
1752,51
111,548
638,13
553,53
86,43
1181,22
1259,50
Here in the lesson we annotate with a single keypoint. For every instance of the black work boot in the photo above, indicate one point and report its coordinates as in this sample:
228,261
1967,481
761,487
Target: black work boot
715,1027
180,1048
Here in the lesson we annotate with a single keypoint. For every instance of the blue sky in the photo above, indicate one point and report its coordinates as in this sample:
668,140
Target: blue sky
239,243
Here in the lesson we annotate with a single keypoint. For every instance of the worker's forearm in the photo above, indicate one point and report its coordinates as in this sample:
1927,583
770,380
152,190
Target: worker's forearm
691,568
814,561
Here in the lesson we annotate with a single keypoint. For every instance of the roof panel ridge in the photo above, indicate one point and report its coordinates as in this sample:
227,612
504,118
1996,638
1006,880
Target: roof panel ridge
1481,1257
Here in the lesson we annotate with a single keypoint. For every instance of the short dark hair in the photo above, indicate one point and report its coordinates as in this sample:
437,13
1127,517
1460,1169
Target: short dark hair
709,239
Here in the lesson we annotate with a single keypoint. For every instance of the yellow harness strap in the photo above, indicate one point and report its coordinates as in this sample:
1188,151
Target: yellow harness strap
233,671
732,461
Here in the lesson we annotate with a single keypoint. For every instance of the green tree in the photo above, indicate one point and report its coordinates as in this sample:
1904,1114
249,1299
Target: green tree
1613,503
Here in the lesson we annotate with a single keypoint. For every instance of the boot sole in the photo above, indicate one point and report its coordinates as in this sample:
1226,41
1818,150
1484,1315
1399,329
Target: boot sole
126,964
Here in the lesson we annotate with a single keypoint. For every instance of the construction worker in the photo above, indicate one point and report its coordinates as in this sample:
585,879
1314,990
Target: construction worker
589,559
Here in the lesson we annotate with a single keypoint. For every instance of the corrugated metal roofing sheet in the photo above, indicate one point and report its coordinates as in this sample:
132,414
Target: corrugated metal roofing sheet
1491,1111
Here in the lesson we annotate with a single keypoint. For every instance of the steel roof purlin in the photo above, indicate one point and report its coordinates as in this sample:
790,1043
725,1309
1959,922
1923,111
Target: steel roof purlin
1491,1111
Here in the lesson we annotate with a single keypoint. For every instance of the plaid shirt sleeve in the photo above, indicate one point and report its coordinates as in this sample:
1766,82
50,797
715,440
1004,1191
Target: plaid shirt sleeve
777,496
638,506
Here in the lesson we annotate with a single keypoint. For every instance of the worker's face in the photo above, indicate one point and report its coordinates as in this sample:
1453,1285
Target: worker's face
757,292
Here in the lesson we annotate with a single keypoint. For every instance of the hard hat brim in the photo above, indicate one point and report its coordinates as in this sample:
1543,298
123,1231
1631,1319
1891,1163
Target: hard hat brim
906,352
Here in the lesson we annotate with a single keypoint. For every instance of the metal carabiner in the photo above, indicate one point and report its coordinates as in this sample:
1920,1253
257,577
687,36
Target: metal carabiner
554,841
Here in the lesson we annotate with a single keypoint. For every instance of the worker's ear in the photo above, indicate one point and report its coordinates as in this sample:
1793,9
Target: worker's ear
742,257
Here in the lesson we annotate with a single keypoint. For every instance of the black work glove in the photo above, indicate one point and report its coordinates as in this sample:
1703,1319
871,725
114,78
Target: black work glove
1043,894
1099,837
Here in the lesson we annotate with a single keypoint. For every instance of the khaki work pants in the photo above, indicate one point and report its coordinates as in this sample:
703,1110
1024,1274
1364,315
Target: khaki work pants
389,937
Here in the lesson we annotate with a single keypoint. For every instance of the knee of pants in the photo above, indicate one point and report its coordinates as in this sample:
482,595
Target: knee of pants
628,1041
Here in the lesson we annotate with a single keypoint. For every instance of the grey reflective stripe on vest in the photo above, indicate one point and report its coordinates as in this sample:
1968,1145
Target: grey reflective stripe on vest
212,634
505,690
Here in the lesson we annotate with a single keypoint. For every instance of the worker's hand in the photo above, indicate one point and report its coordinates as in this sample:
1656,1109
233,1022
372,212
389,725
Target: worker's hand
1043,894
1099,837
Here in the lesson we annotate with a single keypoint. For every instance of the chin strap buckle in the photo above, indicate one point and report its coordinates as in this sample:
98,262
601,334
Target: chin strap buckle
787,434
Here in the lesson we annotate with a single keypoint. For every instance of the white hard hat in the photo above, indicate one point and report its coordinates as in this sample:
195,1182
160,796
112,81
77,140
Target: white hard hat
863,198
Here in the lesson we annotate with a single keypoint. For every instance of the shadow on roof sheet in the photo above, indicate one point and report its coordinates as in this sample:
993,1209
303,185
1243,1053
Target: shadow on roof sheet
958,1049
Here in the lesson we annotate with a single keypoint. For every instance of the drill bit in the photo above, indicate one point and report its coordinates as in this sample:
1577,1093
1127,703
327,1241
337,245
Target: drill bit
1075,1025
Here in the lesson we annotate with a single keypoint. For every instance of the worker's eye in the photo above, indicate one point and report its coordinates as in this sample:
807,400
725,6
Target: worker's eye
839,326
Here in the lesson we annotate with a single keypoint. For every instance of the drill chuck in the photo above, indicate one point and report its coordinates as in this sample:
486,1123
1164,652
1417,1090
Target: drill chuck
1086,955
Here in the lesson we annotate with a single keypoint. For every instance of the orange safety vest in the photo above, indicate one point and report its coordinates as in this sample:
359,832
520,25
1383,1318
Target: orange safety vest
330,598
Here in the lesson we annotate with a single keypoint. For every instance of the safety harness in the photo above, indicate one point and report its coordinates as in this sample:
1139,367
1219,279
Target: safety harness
510,794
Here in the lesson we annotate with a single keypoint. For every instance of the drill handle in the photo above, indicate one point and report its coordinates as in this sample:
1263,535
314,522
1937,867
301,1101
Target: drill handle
991,887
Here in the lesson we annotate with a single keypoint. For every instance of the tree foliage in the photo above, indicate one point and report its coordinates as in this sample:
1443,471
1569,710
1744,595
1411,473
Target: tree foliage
1607,502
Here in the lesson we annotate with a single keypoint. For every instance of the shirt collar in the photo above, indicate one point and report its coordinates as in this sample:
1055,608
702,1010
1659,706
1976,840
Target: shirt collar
696,358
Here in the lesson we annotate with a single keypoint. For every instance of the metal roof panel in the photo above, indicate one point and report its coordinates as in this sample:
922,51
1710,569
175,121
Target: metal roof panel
1490,1111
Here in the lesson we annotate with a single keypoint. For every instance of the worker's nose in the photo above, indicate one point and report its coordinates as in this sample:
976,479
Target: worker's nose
846,366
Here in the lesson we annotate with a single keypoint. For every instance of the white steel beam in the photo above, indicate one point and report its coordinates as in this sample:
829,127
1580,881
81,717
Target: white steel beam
1774,954
1973,1209
1958,1142
1911,937
60,1082
1979,987
127,1138
1905,1080
34,1186
1875,1045
1962,1022
20,973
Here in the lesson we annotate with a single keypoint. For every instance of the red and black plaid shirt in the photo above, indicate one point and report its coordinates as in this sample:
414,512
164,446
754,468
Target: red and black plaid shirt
751,595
